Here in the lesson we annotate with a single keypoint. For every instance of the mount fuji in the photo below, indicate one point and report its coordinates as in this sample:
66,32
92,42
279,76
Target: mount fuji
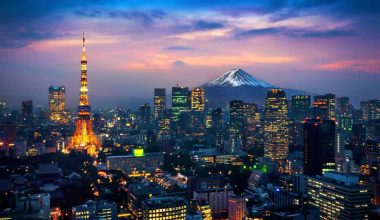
238,77
240,85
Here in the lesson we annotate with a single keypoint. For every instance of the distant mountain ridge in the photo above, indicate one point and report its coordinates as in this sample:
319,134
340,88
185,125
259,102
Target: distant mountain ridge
237,84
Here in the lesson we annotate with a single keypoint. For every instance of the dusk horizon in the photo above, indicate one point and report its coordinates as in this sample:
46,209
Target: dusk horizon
317,47
189,110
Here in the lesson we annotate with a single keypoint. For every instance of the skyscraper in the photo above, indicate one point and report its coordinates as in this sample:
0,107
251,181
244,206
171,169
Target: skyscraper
236,116
319,146
84,138
144,116
57,103
370,109
324,106
217,119
343,107
180,101
27,110
159,102
300,107
276,131
198,99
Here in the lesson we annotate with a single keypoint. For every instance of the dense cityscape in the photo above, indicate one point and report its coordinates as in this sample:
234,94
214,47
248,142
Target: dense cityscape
233,147
290,158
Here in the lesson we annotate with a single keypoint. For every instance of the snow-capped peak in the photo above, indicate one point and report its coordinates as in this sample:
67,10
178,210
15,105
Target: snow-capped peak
238,77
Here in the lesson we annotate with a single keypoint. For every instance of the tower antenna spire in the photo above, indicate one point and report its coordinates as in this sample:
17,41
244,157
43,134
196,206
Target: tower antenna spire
84,40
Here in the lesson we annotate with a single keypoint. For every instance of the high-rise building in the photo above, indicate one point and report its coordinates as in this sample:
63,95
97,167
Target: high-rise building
276,131
159,103
338,196
252,125
236,207
198,99
84,138
324,106
144,116
170,208
358,139
373,130
370,110
57,104
164,132
217,119
27,110
180,101
237,117
319,146
343,106
300,107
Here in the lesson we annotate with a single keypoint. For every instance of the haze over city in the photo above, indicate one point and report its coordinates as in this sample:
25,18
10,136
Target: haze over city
134,46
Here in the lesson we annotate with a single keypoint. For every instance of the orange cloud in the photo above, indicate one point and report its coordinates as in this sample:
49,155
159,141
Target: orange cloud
370,66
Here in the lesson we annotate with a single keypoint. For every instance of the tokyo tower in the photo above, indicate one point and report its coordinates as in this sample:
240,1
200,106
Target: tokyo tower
84,138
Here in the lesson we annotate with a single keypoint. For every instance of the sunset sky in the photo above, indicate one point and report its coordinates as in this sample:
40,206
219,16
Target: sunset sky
317,46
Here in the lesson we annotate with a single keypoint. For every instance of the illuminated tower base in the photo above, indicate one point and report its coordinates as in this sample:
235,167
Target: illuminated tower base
84,138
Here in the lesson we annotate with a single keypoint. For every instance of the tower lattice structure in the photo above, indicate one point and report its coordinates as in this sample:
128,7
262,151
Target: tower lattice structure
84,138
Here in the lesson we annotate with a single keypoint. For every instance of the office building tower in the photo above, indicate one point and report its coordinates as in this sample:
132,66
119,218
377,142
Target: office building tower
57,104
324,106
319,146
343,106
237,118
144,116
358,140
164,133
217,119
252,125
84,138
170,208
370,110
345,123
338,196
236,207
299,107
159,103
357,116
198,99
180,101
27,111
373,130
276,131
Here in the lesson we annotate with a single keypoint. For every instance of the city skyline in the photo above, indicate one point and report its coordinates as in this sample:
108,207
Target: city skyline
135,47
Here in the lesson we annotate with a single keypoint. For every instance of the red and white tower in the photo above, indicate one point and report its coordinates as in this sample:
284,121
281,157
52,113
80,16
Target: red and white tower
84,138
